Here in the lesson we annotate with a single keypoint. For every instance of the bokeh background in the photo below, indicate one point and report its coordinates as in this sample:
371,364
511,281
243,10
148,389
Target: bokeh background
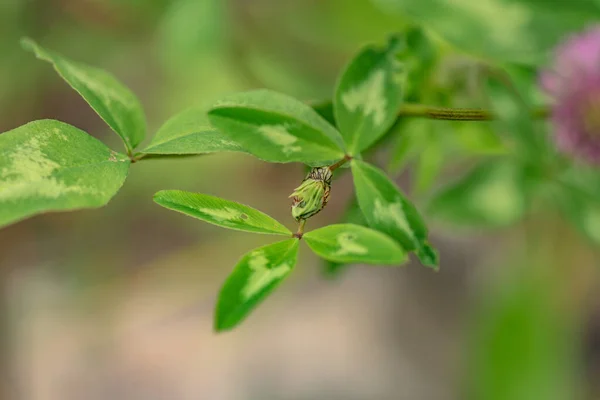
117,303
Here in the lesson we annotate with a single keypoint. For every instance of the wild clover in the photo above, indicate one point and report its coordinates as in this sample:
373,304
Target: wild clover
52,166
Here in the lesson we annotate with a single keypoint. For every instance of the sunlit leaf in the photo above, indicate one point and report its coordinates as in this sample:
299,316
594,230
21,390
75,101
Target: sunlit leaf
368,95
387,210
217,211
348,243
257,274
48,165
113,102
277,128
189,132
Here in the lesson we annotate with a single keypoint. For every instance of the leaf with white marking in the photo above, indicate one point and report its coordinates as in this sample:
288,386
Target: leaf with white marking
352,215
217,211
48,165
189,132
277,128
387,210
255,276
368,96
113,102
348,243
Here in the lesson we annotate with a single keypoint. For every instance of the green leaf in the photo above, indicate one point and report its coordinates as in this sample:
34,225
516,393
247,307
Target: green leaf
113,102
419,57
189,132
48,165
277,128
217,211
348,243
387,210
506,30
325,110
493,194
255,276
352,215
368,96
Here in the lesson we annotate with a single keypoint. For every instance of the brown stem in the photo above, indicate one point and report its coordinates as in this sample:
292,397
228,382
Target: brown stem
340,163
300,232
137,157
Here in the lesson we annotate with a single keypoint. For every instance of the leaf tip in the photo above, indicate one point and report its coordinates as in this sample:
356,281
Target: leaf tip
158,197
429,257
221,322
216,111
27,43
219,326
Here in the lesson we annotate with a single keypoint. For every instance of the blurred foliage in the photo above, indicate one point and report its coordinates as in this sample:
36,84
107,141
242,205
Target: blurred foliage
500,30
180,53
523,340
494,194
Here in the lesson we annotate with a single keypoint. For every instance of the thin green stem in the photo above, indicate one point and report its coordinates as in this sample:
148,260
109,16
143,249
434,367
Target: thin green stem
448,113
300,232
129,152
136,157
458,114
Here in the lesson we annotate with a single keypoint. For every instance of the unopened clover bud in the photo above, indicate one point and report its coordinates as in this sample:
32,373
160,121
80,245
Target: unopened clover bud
573,81
311,196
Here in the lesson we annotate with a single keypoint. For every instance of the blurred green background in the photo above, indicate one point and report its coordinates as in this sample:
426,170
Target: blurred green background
117,303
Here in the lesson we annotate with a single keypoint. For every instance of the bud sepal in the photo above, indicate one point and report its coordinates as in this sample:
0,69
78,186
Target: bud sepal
312,195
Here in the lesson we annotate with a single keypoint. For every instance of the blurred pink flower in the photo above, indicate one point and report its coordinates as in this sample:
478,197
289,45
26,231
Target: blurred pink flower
574,83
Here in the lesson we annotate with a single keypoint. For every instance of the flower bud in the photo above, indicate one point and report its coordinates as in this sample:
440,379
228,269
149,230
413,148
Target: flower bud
311,196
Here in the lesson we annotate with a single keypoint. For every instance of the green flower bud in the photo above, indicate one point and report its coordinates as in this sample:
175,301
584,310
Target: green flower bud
311,196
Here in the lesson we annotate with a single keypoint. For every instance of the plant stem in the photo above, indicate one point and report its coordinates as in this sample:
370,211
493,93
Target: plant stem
447,113
136,157
458,114
340,163
300,230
